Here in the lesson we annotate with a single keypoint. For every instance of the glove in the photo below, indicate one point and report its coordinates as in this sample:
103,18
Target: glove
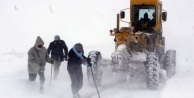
90,64
88,60
39,69
65,58
52,61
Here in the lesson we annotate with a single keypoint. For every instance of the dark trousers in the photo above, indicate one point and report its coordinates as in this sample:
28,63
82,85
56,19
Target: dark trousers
32,77
76,76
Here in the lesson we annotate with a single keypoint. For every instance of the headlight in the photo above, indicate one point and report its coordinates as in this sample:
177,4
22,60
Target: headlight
115,30
121,30
128,30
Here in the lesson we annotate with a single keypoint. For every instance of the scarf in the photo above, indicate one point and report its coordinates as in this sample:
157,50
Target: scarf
79,55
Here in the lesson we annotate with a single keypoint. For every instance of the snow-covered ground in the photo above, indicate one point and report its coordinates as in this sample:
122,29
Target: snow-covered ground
88,22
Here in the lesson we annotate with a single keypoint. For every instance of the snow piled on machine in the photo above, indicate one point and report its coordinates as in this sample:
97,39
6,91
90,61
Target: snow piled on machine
134,56
120,53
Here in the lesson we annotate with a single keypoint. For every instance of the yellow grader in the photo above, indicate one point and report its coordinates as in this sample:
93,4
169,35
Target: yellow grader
139,47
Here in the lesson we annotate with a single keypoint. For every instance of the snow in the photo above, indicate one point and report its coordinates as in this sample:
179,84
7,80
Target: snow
88,22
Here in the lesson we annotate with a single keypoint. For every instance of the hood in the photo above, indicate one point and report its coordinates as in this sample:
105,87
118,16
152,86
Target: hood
39,41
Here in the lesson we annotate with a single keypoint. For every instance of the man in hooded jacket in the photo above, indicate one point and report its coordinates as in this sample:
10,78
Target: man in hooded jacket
37,58
76,59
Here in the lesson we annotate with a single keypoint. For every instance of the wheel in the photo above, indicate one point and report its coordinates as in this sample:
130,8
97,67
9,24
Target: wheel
170,63
152,73
95,57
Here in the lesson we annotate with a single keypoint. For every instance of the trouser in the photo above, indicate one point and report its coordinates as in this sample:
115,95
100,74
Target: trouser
76,76
32,77
56,67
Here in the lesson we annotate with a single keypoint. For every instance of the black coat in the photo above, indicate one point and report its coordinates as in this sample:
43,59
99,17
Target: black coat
74,62
57,50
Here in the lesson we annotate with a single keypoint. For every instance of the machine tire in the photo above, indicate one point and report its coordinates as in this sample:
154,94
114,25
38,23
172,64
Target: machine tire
95,57
170,63
152,73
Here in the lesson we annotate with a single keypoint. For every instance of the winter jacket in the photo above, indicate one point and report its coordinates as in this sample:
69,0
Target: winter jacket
37,57
57,50
146,22
74,62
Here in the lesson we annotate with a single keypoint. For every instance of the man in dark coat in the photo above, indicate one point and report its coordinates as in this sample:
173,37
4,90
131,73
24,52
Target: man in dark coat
146,21
76,59
56,48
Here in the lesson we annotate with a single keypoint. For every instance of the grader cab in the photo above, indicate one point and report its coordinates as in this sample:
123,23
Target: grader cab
146,18
140,46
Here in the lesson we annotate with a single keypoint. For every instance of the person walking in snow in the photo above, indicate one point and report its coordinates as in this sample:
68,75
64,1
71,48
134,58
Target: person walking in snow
37,58
76,59
56,48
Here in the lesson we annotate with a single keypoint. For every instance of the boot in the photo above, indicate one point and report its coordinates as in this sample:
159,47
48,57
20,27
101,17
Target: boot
74,94
77,95
41,86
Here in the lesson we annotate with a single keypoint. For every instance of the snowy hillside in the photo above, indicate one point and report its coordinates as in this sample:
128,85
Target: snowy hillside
87,22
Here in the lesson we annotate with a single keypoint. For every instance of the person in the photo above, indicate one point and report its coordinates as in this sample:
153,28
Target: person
56,48
153,21
76,58
145,18
145,23
37,58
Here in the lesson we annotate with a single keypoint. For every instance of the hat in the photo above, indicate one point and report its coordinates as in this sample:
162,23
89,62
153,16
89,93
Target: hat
78,47
146,14
57,37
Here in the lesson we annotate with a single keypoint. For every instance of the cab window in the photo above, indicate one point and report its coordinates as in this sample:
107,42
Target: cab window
143,17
